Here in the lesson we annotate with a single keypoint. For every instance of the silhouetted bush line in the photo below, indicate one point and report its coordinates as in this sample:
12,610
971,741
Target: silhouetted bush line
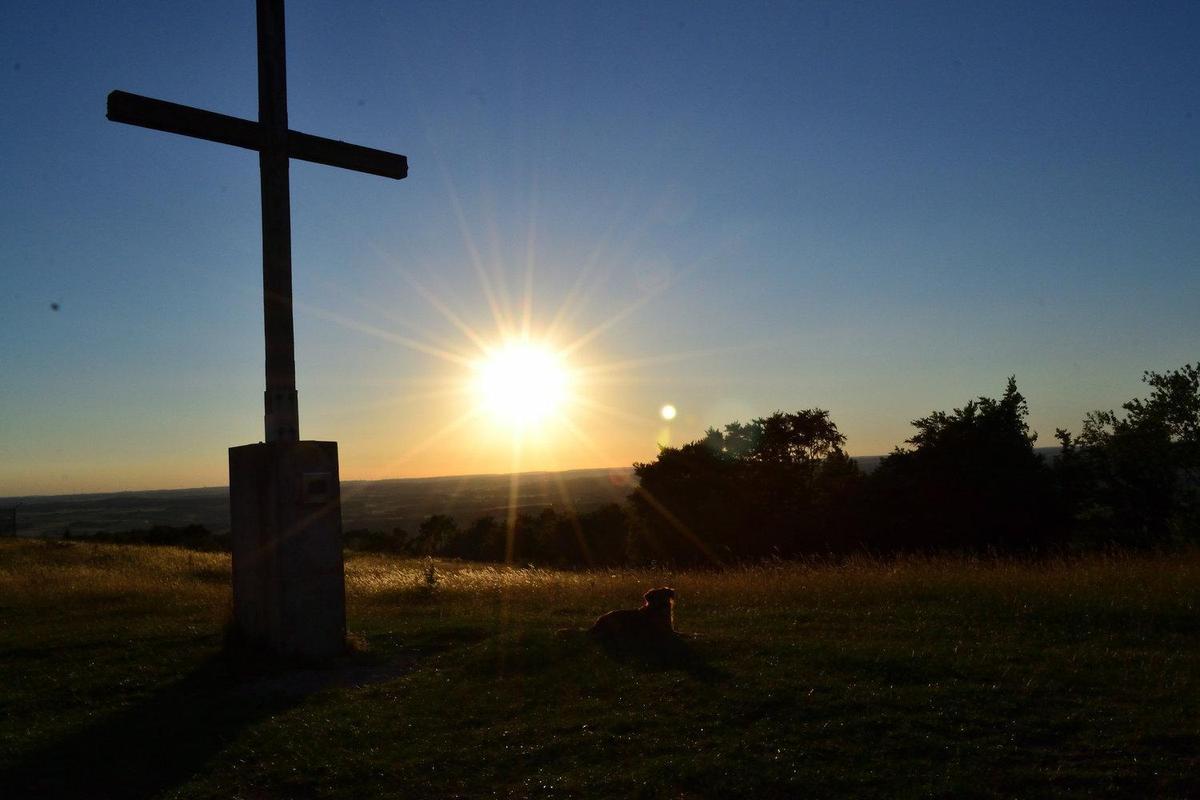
968,481
191,537
782,488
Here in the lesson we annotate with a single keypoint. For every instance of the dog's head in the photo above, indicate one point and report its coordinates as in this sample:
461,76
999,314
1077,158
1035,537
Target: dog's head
663,597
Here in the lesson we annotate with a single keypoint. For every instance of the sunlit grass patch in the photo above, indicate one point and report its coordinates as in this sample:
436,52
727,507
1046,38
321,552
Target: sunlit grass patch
48,569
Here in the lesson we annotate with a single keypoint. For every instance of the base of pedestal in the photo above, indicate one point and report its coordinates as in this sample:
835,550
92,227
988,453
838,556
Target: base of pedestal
289,596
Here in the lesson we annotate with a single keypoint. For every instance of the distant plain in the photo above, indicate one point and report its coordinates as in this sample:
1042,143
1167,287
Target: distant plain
377,505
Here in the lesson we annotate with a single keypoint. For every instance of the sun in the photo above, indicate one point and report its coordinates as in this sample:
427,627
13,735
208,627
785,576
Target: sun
522,384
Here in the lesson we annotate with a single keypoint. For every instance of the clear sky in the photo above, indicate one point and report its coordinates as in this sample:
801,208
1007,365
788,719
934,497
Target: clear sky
879,209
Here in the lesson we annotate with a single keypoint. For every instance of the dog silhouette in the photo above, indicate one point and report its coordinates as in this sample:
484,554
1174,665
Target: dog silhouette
654,620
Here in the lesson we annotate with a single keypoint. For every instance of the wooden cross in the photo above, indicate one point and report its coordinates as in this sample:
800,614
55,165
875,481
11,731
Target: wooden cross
275,145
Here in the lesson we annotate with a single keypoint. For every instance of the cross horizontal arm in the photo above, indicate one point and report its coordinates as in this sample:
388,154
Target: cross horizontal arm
337,153
146,112
134,109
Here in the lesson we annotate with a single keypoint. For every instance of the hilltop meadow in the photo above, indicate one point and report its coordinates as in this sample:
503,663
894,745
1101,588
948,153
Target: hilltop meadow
912,677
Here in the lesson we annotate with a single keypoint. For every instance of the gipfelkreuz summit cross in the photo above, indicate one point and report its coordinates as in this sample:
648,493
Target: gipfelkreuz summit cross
289,595
275,145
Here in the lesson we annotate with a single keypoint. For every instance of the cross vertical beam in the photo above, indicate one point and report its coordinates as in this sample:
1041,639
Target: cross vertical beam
281,409
284,494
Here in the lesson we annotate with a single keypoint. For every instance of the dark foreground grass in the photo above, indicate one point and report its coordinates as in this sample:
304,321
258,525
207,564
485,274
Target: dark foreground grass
920,679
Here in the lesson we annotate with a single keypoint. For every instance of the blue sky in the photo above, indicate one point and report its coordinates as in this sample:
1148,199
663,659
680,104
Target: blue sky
876,209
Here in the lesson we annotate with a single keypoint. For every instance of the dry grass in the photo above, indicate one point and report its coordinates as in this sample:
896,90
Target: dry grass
53,571
920,677
41,571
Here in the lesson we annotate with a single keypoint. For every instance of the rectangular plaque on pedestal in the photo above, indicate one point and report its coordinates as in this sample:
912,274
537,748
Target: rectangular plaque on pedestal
289,595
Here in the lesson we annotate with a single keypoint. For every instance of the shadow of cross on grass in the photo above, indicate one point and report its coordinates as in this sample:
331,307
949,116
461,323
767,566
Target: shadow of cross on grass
171,734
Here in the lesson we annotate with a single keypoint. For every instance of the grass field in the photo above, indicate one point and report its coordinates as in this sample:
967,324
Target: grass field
937,678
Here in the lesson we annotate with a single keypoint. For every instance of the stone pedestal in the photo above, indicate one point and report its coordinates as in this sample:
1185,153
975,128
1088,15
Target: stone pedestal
289,596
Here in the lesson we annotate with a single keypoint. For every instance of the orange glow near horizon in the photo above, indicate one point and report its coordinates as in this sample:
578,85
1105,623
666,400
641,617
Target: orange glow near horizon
526,381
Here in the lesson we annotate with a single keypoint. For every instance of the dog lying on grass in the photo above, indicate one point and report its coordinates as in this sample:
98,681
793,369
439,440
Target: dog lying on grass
655,620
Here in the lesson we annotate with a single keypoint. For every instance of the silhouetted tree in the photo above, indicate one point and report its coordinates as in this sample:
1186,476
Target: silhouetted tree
482,541
433,534
969,480
689,504
605,533
778,486
1134,478
592,539
370,541
595,538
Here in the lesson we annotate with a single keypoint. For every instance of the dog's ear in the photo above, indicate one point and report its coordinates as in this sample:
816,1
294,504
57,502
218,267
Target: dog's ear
662,594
